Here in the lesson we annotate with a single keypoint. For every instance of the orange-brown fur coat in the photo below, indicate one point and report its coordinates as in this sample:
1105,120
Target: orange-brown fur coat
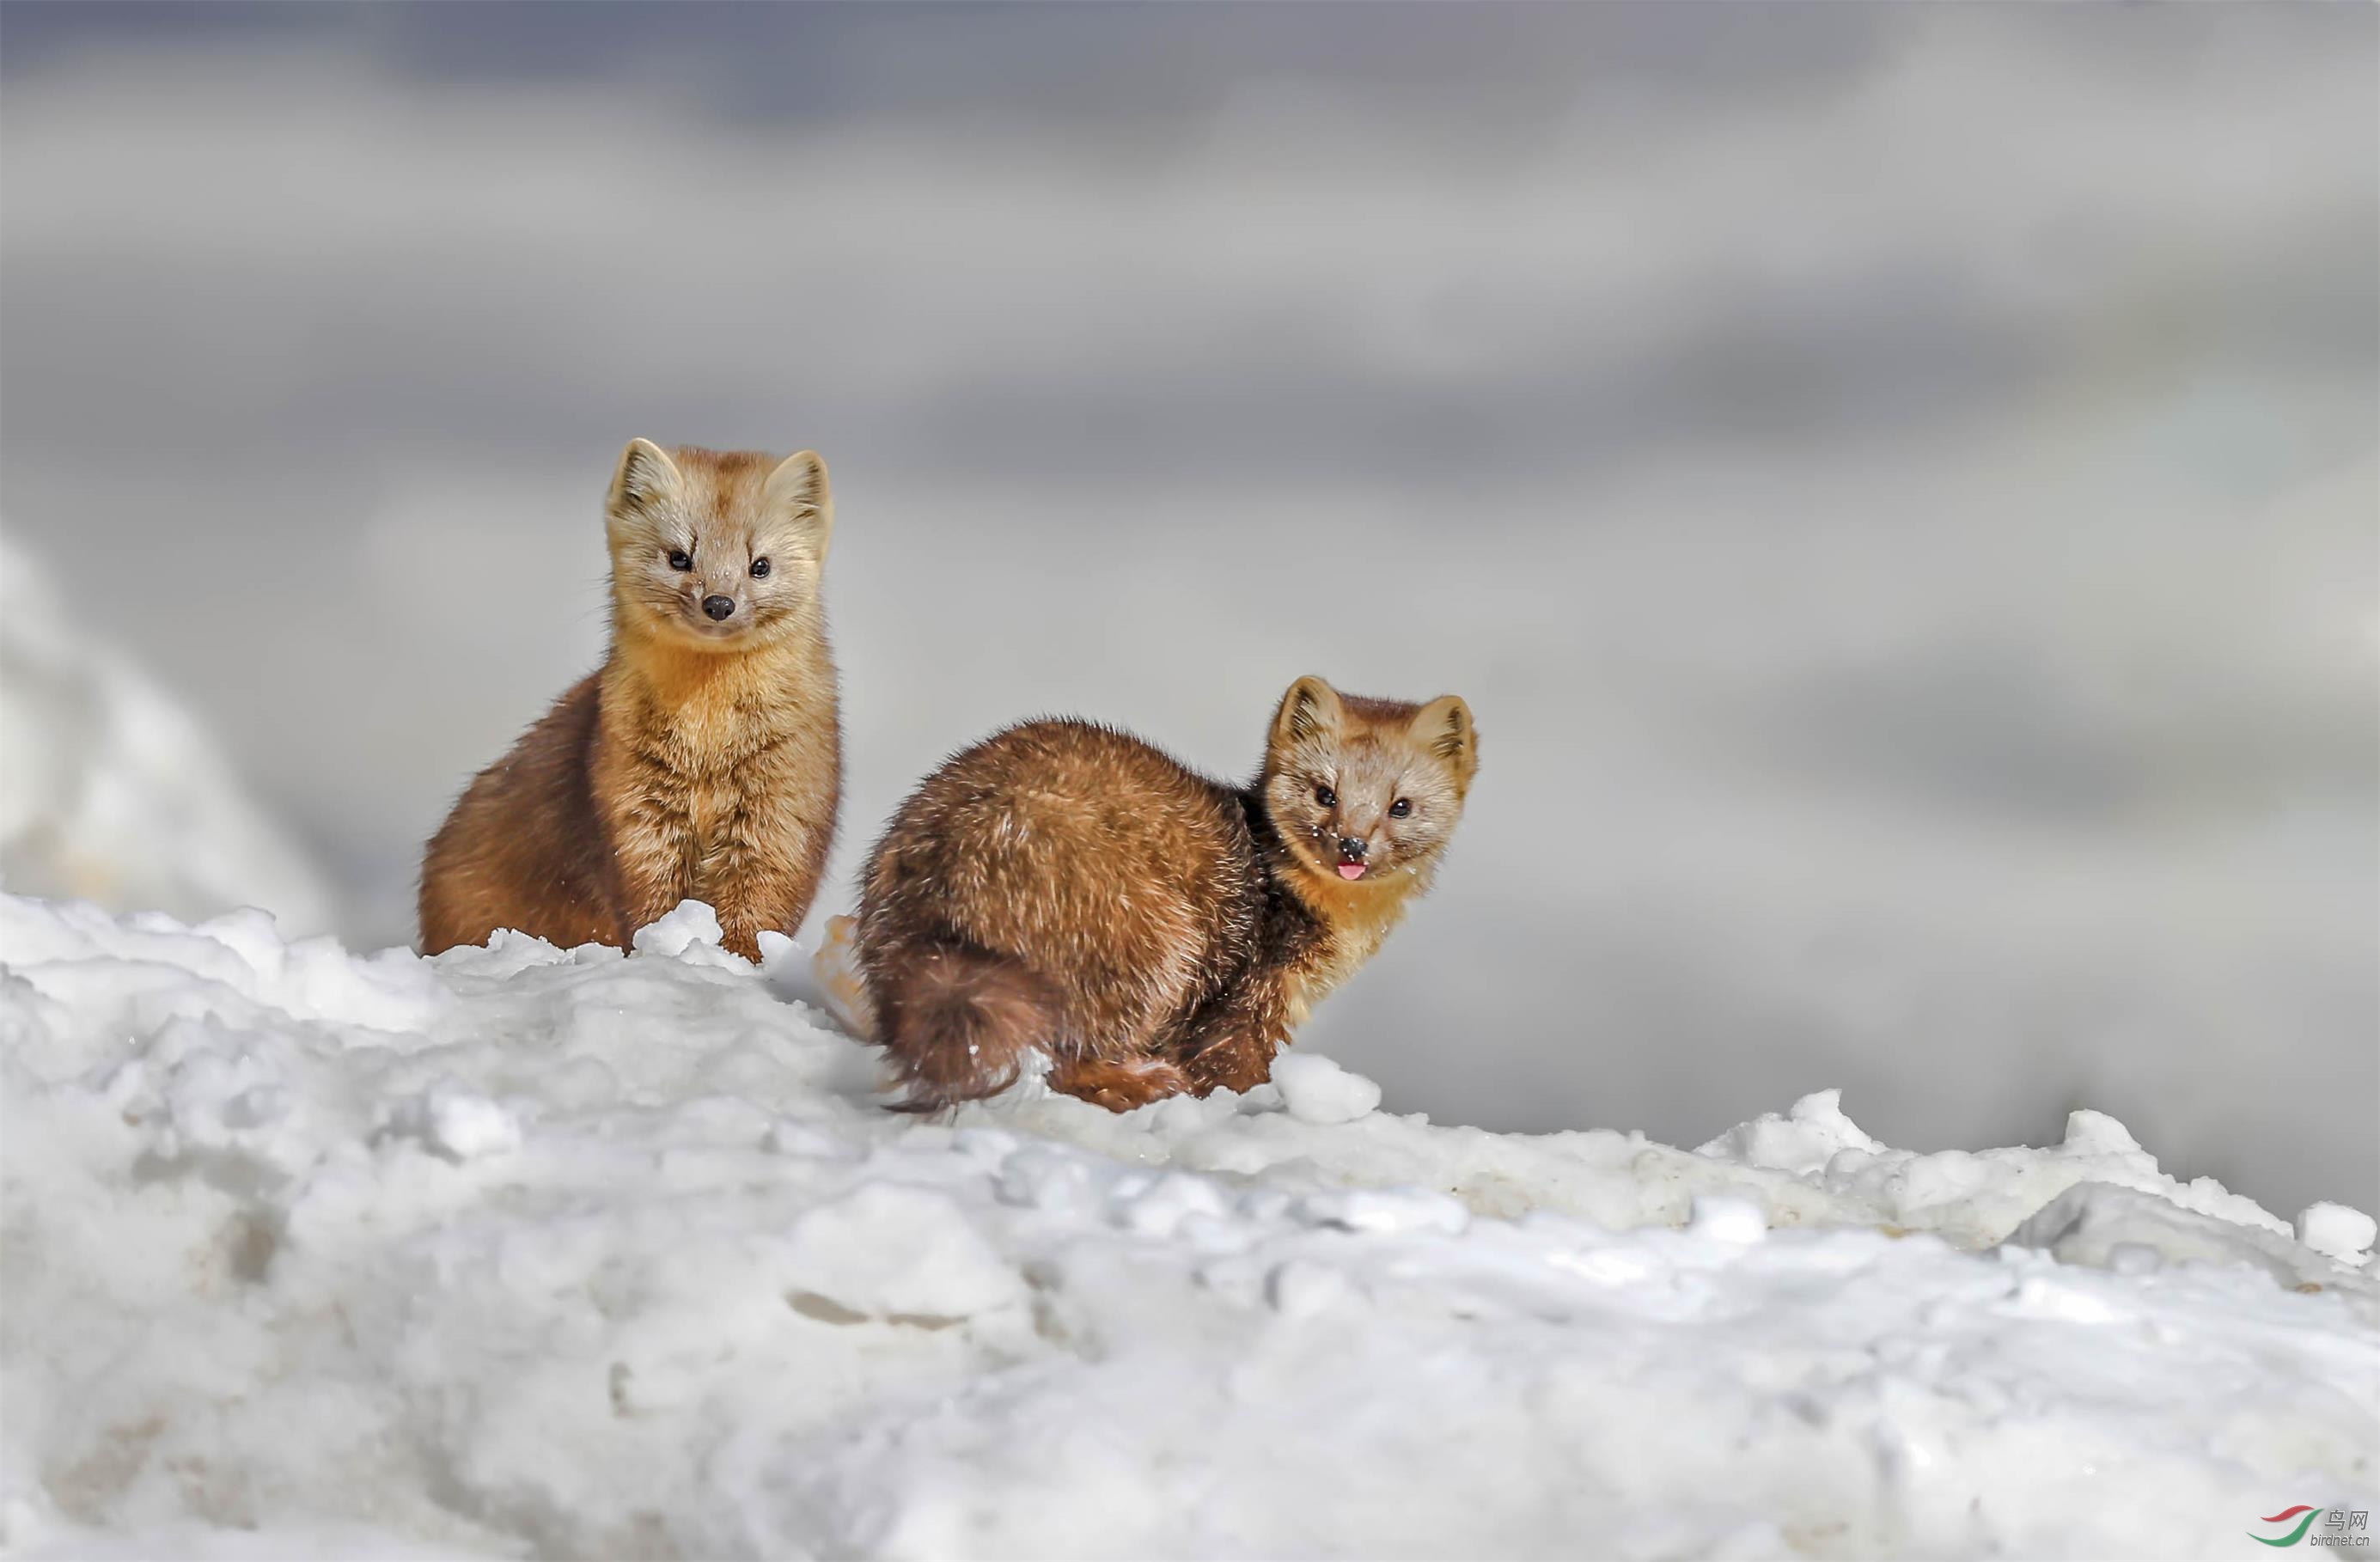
703,760
1066,886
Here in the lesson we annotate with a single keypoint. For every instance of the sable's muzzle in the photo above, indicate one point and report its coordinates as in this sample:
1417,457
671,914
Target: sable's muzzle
718,608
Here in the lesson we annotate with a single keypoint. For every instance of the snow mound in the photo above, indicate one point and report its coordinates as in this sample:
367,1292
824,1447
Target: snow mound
526,1251
110,792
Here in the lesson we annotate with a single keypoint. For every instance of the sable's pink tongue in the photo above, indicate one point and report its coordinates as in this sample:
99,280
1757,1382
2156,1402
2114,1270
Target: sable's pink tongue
1351,870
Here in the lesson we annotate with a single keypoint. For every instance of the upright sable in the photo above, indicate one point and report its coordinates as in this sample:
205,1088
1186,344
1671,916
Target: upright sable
703,760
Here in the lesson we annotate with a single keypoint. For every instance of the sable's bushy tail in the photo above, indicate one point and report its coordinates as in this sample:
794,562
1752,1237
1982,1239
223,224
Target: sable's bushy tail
957,1022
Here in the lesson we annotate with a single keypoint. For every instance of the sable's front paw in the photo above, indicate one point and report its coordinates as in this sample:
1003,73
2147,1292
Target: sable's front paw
1119,1087
1232,1066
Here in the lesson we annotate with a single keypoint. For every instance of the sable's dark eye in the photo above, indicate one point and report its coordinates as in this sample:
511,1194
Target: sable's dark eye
760,568
1401,807
1326,798
680,559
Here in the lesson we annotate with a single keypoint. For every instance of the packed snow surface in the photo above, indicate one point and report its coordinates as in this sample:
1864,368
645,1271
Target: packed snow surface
524,1251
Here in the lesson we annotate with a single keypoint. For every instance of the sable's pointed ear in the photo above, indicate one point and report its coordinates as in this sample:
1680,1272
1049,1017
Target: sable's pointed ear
1310,709
799,487
1443,726
645,475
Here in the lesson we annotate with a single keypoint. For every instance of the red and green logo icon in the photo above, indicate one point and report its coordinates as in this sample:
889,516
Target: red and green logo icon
2303,1515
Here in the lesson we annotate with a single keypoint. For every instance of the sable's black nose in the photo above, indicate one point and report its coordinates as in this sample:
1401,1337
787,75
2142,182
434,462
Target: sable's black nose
718,607
1351,848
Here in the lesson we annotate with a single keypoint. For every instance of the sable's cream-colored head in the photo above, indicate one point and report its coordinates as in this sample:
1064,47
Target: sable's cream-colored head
1367,791
717,549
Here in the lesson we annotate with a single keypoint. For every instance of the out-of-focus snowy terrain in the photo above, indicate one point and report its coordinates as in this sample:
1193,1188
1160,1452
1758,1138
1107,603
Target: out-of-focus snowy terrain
110,791
522,1251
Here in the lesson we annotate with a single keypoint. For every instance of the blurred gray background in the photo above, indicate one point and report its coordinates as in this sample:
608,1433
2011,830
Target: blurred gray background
1896,485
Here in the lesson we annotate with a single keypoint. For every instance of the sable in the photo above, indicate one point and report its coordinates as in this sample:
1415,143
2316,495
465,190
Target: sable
1068,887
703,760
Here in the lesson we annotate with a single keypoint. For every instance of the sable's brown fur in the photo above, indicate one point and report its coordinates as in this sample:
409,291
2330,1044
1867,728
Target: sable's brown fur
703,760
1067,887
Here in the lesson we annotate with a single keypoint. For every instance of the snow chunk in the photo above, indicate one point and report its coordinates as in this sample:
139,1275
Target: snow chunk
1737,1221
1374,1209
891,1251
2041,1296
1317,1090
2112,1227
1800,1142
1160,1207
459,1124
692,925
2089,1133
1304,1289
2337,1232
1974,1198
